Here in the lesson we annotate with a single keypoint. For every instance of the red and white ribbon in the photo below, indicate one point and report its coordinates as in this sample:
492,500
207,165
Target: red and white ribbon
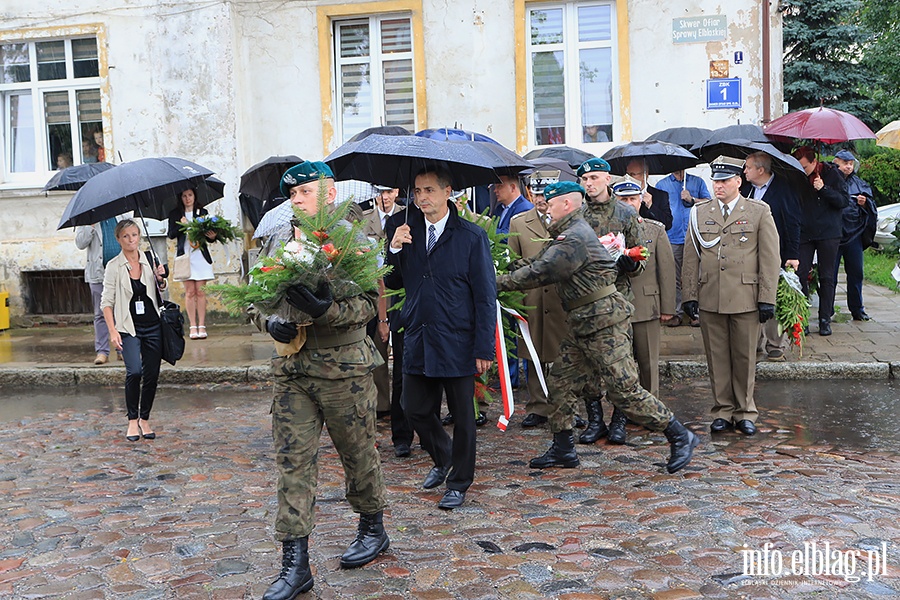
506,392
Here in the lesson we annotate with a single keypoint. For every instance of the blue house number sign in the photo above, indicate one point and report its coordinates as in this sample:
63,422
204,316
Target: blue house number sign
723,93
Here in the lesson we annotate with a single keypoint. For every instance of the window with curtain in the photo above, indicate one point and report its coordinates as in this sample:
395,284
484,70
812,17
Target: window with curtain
373,74
571,63
50,93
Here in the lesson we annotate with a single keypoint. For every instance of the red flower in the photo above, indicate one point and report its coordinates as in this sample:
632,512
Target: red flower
272,268
330,251
321,235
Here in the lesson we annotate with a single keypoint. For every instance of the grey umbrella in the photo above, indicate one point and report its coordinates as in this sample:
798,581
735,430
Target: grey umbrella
686,137
659,157
73,178
573,156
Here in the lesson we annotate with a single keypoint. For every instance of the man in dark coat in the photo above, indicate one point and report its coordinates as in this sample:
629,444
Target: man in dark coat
444,263
654,202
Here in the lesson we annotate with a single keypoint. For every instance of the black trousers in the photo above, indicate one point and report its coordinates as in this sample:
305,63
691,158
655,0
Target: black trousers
422,400
142,354
401,430
826,252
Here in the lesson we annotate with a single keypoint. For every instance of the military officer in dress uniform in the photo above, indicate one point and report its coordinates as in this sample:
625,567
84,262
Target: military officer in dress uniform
329,380
730,276
654,289
547,320
605,215
598,343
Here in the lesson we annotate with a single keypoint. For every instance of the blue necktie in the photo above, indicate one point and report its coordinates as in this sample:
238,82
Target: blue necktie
432,239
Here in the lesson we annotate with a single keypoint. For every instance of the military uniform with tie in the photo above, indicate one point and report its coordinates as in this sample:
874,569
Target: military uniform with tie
730,274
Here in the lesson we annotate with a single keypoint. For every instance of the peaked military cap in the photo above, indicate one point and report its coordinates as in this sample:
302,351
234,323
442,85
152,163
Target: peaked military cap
305,172
593,164
627,186
539,180
562,187
726,167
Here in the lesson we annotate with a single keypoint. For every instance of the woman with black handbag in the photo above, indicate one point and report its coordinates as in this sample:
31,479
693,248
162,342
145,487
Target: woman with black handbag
131,310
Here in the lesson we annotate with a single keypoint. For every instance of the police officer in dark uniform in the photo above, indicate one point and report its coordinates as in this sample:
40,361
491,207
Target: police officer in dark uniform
598,344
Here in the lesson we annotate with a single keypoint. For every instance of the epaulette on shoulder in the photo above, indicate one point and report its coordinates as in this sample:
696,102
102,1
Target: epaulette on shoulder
654,222
700,201
519,215
755,201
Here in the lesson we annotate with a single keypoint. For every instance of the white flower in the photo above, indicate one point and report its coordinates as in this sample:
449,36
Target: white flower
298,252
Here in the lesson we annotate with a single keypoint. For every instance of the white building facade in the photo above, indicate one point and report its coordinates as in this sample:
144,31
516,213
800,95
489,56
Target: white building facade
227,84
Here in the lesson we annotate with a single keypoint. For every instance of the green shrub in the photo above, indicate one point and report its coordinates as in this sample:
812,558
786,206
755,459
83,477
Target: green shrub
881,169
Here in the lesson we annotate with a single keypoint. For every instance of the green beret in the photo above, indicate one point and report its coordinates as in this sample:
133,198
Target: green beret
593,164
562,187
304,173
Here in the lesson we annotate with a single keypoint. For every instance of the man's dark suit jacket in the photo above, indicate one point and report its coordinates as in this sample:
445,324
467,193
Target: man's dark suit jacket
449,316
660,211
784,202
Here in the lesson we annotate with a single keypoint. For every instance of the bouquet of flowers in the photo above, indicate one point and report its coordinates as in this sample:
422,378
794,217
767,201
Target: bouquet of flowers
791,308
323,249
197,229
615,245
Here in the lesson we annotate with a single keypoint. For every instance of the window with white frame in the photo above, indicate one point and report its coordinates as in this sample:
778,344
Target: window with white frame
572,73
373,74
50,92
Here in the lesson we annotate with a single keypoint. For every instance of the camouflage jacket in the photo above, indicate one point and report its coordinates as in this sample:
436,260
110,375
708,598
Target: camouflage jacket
579,265
614,217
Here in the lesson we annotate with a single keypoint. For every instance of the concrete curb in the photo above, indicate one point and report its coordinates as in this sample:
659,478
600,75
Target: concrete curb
67,376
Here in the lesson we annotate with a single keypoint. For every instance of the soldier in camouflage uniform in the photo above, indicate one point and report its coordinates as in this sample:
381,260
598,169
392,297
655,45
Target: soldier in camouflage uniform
599,340
605,215
329,380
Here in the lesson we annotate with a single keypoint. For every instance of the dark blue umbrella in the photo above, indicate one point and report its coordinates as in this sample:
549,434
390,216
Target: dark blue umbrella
395,160
573,156
149,187
381,130
659,157
72,178
460,135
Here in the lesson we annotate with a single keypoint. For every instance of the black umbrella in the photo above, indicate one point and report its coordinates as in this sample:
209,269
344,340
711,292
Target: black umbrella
262,179
659,158
380,130
566,172
686,137
573,156
751,133
395,160
149,187
72,178
783,164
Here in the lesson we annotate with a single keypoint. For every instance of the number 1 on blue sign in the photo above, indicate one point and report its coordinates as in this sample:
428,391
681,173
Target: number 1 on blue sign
724,91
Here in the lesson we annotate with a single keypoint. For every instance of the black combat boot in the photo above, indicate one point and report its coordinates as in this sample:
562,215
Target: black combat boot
617,427
295,577
596,427
561,453
682,443
371,539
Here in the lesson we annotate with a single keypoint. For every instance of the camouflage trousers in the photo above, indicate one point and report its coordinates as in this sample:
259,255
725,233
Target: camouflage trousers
347,408
605,355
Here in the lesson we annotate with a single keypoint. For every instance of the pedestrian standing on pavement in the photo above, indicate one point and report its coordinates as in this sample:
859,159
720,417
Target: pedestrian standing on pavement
189,209
130,304
100,242
859,216
444,263
598,344
822,203
731,266
328,381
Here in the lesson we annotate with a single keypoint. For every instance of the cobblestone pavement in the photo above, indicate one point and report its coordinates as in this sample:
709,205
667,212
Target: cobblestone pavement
85,514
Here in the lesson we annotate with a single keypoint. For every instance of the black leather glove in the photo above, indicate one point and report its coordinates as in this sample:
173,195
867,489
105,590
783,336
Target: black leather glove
281,330
766,311
691,308
626,264
313,304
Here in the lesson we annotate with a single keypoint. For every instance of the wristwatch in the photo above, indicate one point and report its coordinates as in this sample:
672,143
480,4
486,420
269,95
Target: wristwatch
382,320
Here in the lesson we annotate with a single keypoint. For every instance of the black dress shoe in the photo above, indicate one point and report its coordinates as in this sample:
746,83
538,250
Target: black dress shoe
824,327
533,420
132,438
452,499
402,450
448,420
861,316
720,425
481,419
746,427
435,477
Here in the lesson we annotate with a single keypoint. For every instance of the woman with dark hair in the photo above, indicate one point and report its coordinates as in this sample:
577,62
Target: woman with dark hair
822,204
130,304
189,209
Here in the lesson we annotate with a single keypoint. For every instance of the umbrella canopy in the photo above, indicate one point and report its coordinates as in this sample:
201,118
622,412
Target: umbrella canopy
889,135
381,130
455,134
686,137
72,178
395,160
783,164
148,186
275,220
573,156
566,172
262,179
660,158
751,133
822,124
